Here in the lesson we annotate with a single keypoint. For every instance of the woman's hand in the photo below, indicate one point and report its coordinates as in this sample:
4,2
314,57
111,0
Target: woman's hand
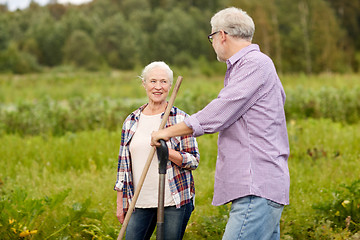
119,208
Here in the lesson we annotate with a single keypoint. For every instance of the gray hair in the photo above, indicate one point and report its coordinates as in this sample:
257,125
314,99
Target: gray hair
235,22
159,64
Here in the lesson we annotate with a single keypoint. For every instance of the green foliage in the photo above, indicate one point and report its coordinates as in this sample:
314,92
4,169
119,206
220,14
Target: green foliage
50,37
211,226
87,107
301,35
15,61
55,155
4,32
57,118
117,42
47,217
322,152
348,14
80,50
328,102
343,210
173,30
60,130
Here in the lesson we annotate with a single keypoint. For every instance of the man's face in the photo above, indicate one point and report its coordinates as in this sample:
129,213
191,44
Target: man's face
217,44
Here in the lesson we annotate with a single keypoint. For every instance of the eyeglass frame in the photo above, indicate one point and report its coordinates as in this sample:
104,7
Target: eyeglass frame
210,38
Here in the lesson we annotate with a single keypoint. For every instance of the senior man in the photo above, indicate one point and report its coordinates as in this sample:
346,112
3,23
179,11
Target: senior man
253,148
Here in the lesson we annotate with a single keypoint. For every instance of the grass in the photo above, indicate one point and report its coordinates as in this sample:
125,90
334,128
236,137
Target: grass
323,156
85,163
62,186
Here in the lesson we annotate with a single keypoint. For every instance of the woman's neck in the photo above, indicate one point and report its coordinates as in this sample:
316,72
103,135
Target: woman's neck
153,109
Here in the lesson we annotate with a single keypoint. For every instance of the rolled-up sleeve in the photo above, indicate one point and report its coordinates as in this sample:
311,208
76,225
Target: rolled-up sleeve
189,152
193,123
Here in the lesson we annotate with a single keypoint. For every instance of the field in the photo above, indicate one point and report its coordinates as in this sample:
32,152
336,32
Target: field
60,134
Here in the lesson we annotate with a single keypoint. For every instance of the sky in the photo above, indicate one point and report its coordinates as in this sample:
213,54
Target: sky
21,4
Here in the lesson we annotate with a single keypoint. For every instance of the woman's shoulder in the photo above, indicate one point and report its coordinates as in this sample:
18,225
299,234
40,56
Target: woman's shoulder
178,112
134,115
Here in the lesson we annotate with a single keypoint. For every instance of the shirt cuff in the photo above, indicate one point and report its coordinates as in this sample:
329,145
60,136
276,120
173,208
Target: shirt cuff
194,124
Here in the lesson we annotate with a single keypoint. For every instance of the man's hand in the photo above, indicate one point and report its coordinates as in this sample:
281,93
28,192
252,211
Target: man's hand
179,129
157,135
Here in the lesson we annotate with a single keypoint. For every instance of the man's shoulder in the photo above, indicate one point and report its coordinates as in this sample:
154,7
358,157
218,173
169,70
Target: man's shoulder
257,54
258,58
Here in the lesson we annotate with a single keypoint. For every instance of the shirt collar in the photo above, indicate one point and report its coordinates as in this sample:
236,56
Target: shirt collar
136,113
237,56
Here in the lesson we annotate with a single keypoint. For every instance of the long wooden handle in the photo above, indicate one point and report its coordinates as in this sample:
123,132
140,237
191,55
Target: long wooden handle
149,159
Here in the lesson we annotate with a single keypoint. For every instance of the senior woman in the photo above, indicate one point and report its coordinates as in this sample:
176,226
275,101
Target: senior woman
135,146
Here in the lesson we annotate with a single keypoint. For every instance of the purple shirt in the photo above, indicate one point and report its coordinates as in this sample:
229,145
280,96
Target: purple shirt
253,145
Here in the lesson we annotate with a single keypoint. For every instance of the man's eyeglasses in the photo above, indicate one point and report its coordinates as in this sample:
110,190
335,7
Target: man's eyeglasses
210,36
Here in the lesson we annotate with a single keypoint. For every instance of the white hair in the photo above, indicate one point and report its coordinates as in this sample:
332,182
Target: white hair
235,22
158,64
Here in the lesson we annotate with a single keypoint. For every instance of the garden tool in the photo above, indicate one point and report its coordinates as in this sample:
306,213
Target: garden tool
163,156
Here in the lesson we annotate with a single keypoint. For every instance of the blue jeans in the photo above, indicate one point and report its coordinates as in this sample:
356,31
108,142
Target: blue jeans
253,217
143,221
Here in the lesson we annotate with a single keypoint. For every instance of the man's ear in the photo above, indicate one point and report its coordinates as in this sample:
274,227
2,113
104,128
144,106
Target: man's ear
223,35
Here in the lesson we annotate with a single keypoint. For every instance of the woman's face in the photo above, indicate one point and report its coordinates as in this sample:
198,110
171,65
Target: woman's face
157,85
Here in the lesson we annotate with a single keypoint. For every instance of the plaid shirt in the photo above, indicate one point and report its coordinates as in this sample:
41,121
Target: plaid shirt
180,179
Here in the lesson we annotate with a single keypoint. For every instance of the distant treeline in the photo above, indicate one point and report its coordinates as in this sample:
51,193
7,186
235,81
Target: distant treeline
309,36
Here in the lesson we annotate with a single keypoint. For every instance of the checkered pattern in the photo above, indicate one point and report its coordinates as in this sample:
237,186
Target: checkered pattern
180,178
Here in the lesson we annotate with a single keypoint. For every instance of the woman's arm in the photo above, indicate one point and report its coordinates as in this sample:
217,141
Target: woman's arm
175,157
119,207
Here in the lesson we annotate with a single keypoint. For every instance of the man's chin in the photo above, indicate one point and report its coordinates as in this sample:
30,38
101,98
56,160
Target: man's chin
220,60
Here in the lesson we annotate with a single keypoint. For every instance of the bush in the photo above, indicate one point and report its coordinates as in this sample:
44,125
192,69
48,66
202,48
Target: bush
80,51
22,217
344,209
340,105
58,117
79,113
15,61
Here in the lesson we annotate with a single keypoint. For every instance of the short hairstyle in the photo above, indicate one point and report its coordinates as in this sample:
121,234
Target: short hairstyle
158,64
235,22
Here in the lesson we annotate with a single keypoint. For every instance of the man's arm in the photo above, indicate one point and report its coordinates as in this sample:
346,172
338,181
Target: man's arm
179,129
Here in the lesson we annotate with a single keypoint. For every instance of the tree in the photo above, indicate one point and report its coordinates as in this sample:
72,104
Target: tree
31,46
348,14
3,8
304,23
178,36
129,7
116,40
15,61
4,31
267,32
80,51
57,10
50,37
326,38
